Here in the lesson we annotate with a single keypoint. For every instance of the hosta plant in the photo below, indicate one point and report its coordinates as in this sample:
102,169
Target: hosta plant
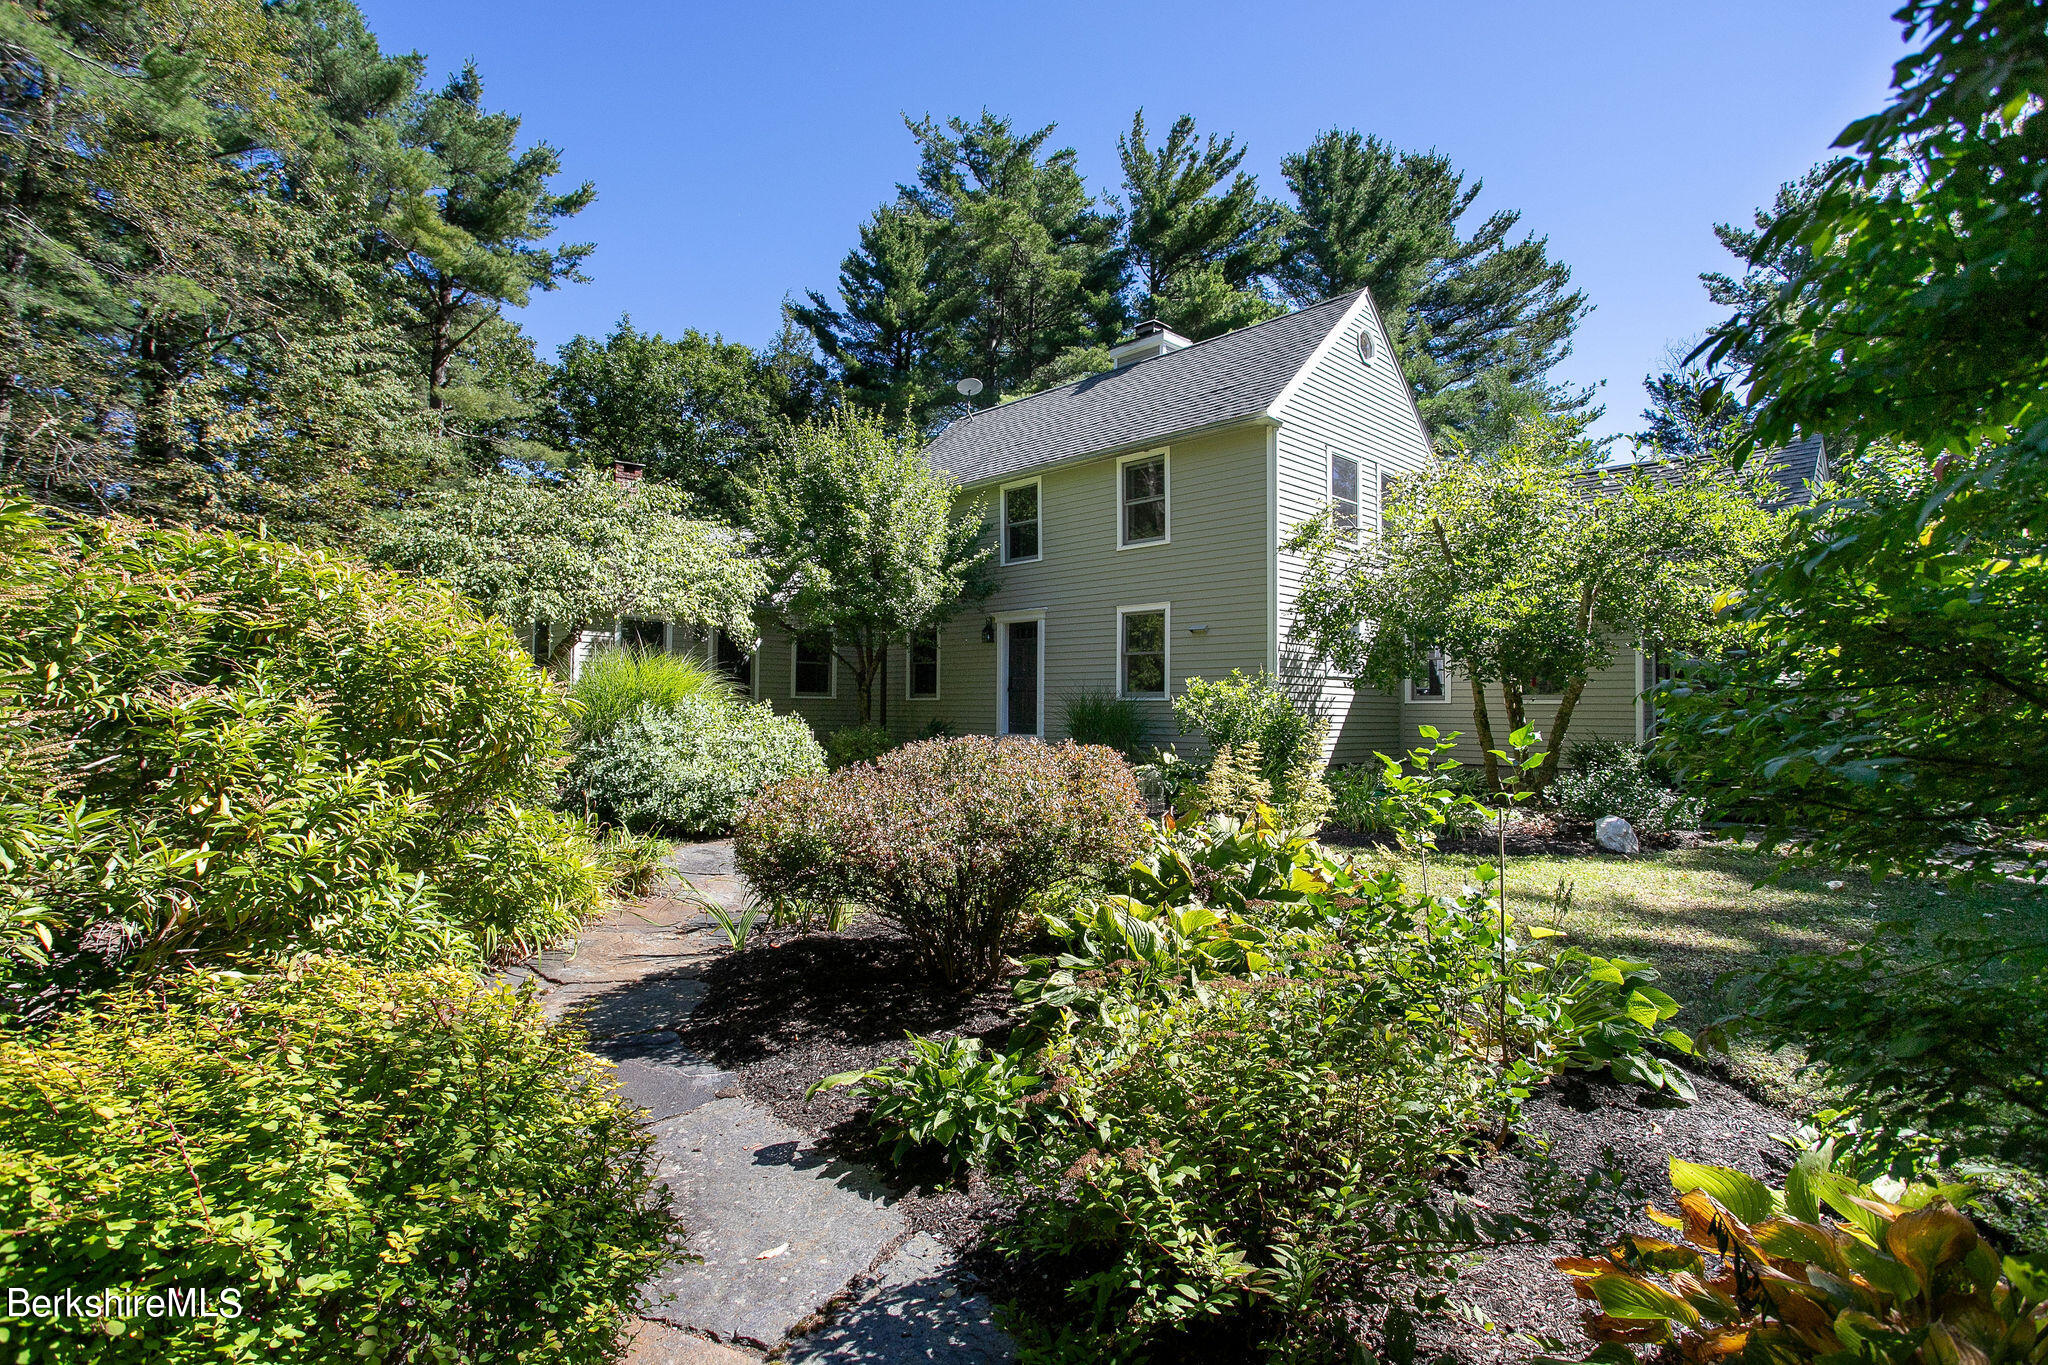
1824,1270
1117,945
1590,1013
950,1097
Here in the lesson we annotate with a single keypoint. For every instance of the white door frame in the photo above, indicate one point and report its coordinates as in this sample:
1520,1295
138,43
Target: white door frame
1003,620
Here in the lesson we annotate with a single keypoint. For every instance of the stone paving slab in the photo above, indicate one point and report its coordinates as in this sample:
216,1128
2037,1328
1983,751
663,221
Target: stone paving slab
914,1314
657,1343
712,859
616,1010
659,1074
746,1184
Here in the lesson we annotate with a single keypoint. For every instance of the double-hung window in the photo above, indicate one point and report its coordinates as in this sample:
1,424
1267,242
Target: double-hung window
1386,501
924,663
1141,651
1141,496
1344,496
1021,526
1428,685
811,666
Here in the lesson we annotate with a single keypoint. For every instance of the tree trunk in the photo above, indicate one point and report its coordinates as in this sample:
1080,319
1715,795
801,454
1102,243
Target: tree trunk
1565,705
1482,721
440,349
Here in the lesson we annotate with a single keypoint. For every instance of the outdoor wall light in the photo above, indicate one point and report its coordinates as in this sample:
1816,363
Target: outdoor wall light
988,631
1198,630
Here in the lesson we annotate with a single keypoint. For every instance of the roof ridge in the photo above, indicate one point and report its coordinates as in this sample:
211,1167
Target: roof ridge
1191,346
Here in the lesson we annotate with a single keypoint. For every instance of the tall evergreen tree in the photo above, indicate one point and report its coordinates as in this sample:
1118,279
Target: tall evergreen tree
1198,239
1459,306
889,335
1026,256
489,244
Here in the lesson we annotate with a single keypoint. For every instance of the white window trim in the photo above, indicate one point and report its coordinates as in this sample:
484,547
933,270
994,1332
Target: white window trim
1358,468
1166,609
753,681
831,693
1003,620
1165,456
1408,689
938,668
1003,517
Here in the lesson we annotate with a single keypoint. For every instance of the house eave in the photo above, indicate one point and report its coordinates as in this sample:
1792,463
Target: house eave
1028,472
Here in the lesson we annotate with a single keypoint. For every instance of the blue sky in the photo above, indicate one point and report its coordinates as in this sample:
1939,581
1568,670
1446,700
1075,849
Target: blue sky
737,146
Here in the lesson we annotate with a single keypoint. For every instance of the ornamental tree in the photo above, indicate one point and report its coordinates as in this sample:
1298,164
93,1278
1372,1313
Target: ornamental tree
864,544
1531,563
576,550
1886,705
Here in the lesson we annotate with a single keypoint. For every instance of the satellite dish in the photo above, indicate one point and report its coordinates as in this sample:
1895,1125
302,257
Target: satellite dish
968,387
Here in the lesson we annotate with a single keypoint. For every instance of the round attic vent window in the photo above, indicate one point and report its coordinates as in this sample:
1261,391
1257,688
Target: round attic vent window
1365,345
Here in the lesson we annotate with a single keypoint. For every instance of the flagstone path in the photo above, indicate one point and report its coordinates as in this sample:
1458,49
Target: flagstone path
783,1233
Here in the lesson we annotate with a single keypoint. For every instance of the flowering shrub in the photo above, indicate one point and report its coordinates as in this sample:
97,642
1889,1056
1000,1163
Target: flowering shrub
385,1166
689,766
946,839
1603,777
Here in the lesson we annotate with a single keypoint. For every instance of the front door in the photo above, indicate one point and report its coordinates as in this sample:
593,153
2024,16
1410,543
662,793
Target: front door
1020,678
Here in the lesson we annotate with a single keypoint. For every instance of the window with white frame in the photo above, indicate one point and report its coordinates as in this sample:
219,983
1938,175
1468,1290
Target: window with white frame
1142,656
1428,685
810,672
1344,496
1021,525
924,663
734,660
1386,500
1141,483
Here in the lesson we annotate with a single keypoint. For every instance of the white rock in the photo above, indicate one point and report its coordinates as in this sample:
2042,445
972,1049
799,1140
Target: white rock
1616,835
1835,886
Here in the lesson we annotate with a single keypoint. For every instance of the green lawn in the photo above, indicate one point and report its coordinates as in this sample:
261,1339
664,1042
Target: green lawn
1696,913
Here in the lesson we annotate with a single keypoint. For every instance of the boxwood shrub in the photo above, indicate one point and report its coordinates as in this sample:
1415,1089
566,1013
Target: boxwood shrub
381,1165
946,839
688,766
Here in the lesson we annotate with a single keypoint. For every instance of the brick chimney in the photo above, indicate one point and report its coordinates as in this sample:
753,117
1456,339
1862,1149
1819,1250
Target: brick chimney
625,473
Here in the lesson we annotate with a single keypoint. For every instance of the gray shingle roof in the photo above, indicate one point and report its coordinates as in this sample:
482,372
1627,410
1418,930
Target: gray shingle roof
1795,469
1227,378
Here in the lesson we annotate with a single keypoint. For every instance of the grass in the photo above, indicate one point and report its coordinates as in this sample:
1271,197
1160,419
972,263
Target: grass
615,683
1698,913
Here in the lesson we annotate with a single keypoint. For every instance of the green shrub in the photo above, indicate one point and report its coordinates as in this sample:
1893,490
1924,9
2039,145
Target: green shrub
634,863
688,767
1931,1039
1253,709
219,745
949,1098
1604,777
856,744
1825,1269
1356,799
1247,1162
945,839
615,683
1102,717
386,1166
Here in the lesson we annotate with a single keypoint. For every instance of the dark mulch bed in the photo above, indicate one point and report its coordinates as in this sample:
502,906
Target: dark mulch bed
801,1006
790,1010
1573,1127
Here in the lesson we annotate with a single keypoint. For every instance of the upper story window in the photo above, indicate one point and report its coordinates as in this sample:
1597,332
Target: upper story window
1142,491
1021,523
924,663
1429,685
810,673
1344,495
1386,500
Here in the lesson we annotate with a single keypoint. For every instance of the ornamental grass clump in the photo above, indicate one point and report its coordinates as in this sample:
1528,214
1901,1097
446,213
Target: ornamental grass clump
945,839
380,1165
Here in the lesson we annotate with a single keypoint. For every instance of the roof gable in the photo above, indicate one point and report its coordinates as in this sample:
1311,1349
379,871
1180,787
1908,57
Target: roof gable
1231,378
